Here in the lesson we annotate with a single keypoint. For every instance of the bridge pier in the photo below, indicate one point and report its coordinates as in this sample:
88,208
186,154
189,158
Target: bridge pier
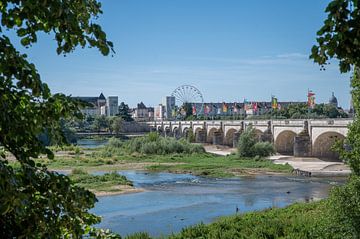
236,139
168,132
218,137
267,136
200,136
302,143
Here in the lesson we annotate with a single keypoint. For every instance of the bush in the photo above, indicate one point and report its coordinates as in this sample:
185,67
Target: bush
263,149
154,144
114,142
344,204
151,143
249,147
246,143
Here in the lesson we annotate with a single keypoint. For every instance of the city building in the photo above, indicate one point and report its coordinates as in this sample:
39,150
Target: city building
151,113
232,109
159,113
94,104
141,113
169,105
112,106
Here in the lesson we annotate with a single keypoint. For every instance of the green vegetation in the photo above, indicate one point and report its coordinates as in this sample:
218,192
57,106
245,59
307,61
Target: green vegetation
151,143
339,38
248,145
124,112
115,157
295,221
292,111
108,182
219,166
300,220
34,202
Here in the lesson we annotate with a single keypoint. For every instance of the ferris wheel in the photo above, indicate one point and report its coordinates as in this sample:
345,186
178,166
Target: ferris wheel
188,94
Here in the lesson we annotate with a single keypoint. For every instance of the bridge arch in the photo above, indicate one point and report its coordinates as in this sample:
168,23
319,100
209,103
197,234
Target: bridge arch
176,132
284,142
168,131
322,145
229,136
185,132
210,135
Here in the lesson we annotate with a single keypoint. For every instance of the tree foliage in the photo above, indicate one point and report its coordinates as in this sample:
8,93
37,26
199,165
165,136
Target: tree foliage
34,202
340,38
249,145
124,112
117,125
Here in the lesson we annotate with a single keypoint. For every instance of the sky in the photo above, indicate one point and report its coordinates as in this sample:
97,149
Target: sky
228,49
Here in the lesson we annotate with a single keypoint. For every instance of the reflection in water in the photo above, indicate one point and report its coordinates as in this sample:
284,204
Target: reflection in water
173,201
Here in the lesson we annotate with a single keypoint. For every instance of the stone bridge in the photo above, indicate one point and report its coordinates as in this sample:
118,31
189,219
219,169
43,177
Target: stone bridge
312,137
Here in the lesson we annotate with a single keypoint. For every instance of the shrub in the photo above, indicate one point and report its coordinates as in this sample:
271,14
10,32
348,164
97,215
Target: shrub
78,171
246,143
191,136
344,204
263,149
114,142
249,147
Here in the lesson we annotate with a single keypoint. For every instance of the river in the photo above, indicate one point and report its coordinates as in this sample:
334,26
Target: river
174,201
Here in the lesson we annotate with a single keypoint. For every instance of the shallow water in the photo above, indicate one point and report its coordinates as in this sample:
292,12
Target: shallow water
92,143
173,201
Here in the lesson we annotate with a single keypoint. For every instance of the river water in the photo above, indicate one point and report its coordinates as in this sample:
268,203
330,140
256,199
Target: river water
174,201
92,143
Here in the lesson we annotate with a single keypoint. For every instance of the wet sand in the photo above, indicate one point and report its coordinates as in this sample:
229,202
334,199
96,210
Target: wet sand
123,189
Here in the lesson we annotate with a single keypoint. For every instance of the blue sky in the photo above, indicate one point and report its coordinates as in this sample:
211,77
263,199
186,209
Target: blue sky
228,49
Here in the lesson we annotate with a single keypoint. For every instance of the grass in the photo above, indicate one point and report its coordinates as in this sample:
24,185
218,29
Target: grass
300,220
157,153
220,166
108,182
203,164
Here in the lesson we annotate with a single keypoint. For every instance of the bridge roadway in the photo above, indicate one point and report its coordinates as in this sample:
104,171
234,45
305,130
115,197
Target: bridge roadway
310,137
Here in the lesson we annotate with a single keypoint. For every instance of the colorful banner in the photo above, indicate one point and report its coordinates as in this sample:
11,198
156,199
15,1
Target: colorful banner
311,99
225,107
183,111
235,108
173,112
255,106
246,105
207,109
274,102
194,109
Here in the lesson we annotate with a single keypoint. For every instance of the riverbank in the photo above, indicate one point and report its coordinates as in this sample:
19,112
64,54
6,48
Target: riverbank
203,164
306,166
313,166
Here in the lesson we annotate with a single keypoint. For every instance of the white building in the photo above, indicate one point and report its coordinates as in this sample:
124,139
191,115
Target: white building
94,104
103,110
141,113
159,112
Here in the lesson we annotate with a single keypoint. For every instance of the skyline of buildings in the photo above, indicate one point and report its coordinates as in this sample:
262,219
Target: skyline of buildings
168,109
